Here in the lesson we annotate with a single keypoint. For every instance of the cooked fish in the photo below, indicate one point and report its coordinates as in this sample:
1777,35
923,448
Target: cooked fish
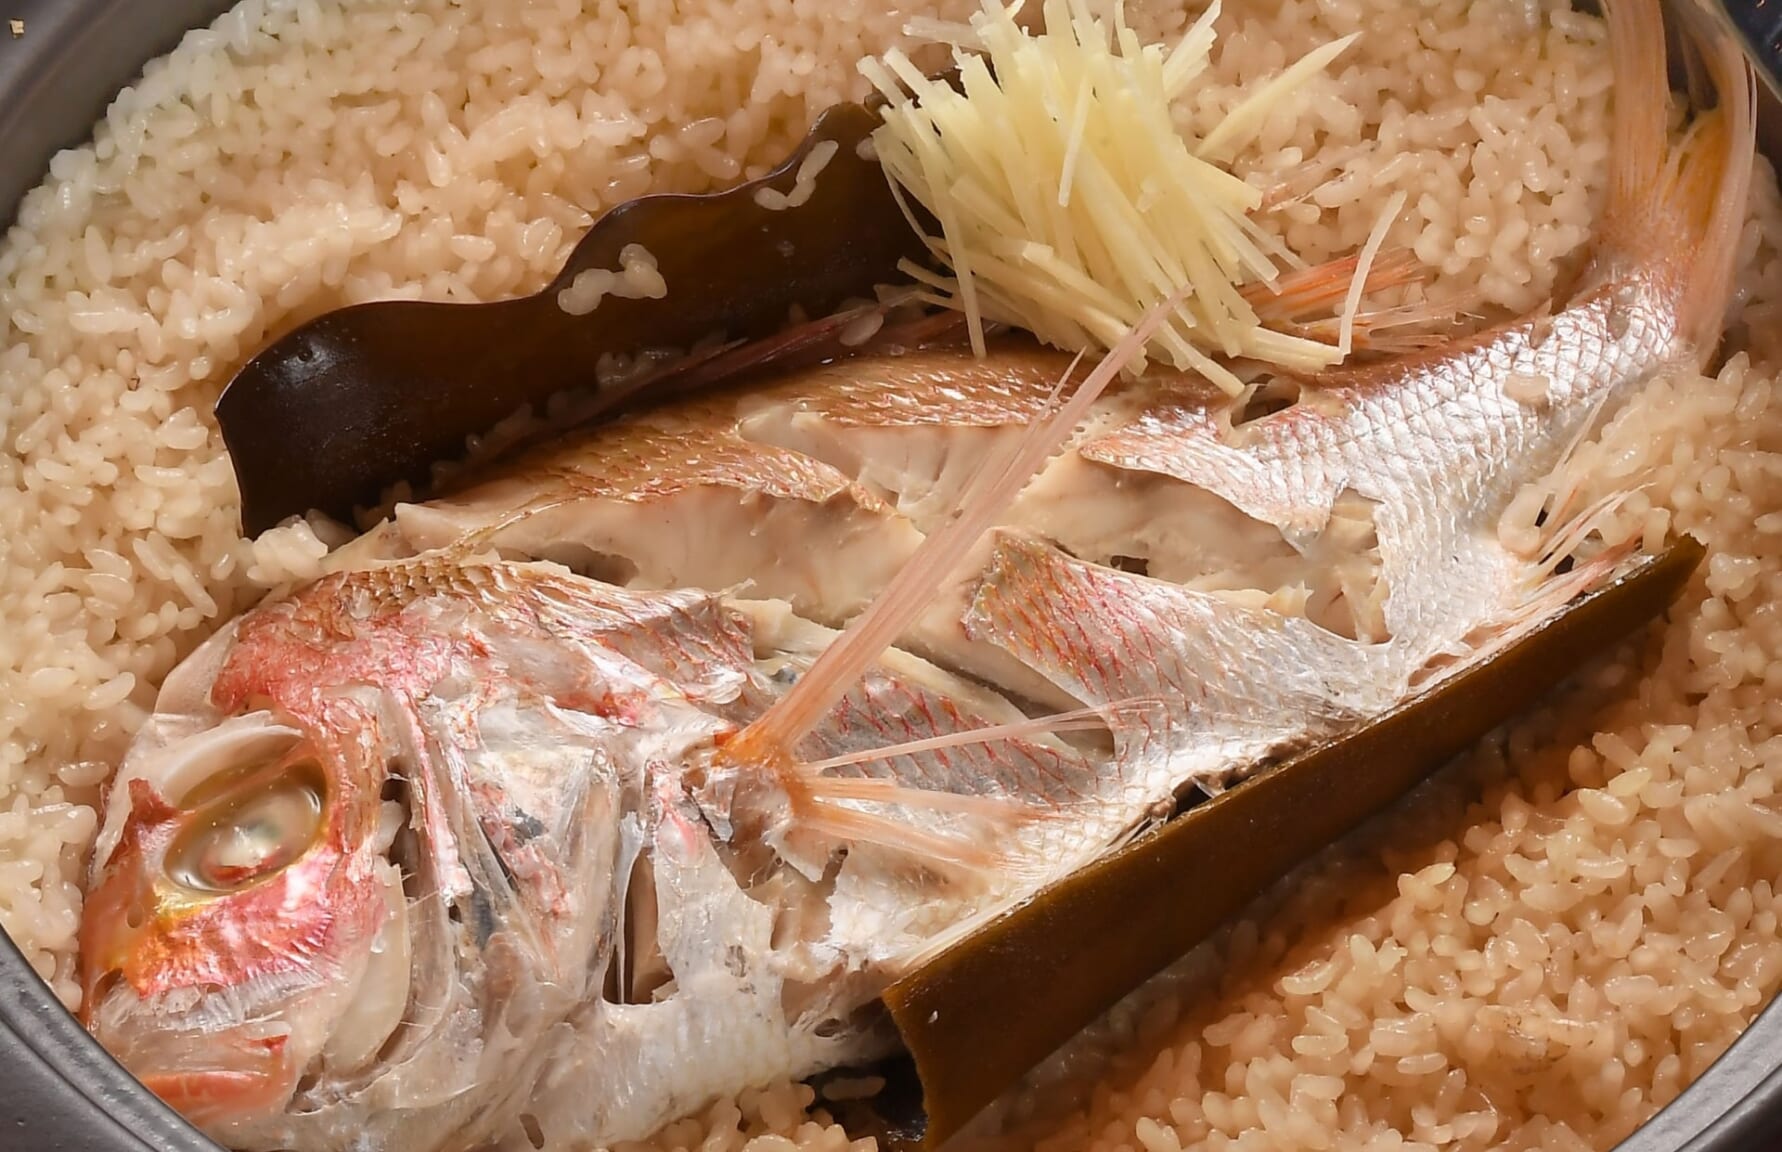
631,776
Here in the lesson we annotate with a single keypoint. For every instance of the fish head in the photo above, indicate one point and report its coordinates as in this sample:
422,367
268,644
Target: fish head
243,920
360,863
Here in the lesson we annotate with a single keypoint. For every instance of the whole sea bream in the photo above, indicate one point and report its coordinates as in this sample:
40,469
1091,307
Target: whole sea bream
557,810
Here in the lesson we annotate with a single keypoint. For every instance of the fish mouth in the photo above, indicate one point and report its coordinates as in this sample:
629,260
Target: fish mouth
245,1079
214,1078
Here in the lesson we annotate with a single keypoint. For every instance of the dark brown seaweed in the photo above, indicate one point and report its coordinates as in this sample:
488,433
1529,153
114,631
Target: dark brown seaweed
336,413
981,1015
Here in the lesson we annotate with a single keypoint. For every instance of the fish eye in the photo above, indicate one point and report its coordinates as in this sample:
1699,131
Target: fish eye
253,826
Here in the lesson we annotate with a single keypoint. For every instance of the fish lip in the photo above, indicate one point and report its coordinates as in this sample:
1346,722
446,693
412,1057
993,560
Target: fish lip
218,1079
249,1080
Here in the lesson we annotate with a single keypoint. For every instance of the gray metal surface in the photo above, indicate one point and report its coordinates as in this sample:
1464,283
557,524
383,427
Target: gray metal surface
58,77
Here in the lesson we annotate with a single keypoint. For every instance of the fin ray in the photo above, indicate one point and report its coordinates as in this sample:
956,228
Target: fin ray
1686,203
909,593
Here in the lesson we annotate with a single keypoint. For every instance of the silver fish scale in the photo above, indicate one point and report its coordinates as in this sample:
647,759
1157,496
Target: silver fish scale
1428,442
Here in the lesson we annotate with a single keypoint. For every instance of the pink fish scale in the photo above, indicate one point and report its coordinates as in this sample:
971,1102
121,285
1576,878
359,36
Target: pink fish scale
688,639
885,711
1230,682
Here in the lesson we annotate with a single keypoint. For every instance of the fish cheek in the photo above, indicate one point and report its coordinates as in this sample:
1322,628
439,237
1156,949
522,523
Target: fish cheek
375,1013
114,934
111,922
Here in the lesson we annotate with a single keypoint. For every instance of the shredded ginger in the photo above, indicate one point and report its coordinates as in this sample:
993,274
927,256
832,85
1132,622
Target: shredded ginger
1070,203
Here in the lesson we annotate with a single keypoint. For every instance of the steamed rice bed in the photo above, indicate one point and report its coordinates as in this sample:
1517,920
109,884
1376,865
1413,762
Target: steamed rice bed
1542,967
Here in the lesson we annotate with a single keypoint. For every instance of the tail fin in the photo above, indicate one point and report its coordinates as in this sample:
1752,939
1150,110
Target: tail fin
1686,202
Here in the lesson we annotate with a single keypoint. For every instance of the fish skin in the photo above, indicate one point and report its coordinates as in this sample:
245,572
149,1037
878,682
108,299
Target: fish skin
604,919
1423,438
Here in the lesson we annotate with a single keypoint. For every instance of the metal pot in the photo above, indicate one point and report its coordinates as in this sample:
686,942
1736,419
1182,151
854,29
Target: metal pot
61,1092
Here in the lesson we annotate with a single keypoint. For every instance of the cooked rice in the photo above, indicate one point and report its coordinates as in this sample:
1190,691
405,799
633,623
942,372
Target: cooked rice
804,181
1540,967
636,279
